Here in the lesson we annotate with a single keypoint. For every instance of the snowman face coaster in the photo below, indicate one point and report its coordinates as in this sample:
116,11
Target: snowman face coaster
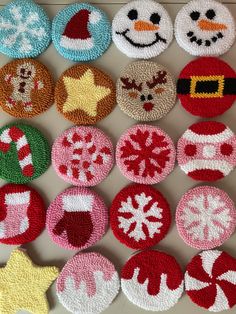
207,151
87,284
205,28
145,154
210,280
76,32
140,216
152,280
205,217
22,214
82,156
85,94
24,153
26,88
77,218
206,87
25,29
146,91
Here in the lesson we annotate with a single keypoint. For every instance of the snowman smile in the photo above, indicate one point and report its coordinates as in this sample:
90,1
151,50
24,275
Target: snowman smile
206,42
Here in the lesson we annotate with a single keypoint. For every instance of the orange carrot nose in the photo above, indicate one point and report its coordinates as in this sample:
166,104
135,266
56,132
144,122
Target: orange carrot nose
142,26
206,25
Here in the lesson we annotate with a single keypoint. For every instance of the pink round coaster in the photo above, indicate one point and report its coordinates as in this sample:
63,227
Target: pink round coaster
77,218
82,156
205,217
145,154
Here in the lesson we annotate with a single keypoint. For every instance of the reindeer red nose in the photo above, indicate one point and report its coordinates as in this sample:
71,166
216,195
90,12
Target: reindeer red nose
148,106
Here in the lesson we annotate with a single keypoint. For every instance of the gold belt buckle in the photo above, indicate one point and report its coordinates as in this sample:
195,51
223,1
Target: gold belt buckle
217,94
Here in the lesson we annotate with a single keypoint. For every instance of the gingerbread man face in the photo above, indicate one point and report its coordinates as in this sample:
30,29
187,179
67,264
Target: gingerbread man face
26,71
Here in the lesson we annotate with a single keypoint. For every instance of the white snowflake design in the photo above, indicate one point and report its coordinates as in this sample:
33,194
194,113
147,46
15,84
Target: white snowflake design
140,217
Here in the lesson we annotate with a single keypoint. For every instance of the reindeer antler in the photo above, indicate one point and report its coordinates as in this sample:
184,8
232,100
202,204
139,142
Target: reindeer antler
160,78
127,84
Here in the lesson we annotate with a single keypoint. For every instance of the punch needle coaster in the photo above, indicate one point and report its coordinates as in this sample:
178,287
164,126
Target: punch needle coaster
146,91
25,29
83,156
205,28
24,153
140,216
81,32
87,284
145,154
77,218
206,87
207,151
205,217
85,94
26,88
142,29
210,280
152,280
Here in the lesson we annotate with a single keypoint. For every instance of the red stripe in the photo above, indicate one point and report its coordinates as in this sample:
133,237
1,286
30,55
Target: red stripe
15,133
28,171
24,151
4,147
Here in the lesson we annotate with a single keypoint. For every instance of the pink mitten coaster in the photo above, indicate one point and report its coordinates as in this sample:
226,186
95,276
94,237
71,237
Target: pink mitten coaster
77,218
87,284
82,156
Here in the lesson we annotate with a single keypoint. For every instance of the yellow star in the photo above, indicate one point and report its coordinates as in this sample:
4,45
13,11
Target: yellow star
23,285
84,94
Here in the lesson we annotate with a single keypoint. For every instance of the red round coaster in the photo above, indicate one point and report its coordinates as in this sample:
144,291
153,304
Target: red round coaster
210,280
207,87
22,214
140,216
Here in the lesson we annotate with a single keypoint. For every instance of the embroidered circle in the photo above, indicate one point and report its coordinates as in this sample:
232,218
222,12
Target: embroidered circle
25,29
88,283
77,218
81,32
82,156
207,151
140,216
145,154
22,214
85,94
206,87
142,29
26,88
24,153
152,280
212,274
205,28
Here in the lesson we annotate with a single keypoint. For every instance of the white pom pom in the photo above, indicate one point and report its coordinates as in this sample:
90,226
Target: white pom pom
94,17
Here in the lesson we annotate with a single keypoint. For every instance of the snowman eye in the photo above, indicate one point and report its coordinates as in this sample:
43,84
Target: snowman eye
210,14
195,15
155,18
133,14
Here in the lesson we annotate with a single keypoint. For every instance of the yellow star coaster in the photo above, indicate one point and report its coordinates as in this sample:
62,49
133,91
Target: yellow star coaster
23,285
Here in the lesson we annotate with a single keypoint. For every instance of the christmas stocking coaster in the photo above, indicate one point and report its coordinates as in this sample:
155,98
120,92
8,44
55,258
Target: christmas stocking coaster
210,280
25,29
87,284
152,280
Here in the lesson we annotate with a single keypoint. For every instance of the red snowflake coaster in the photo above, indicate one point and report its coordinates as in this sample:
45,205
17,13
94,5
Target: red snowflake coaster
210,280
140,216
145,154
152,280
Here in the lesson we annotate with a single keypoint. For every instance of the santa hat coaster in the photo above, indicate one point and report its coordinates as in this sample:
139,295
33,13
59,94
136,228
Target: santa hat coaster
210,280
85,94
146,91
145,154
24,153
142,29
25,29
205,28
87,284
207,87
77,218
140,216
152,280
207,151
83,156
81,32
26,88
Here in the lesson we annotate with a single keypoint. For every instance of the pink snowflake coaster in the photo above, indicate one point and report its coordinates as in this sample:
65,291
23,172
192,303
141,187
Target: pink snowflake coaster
205,217
82,156
87,284
77,218
210,280
140,216
145,154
